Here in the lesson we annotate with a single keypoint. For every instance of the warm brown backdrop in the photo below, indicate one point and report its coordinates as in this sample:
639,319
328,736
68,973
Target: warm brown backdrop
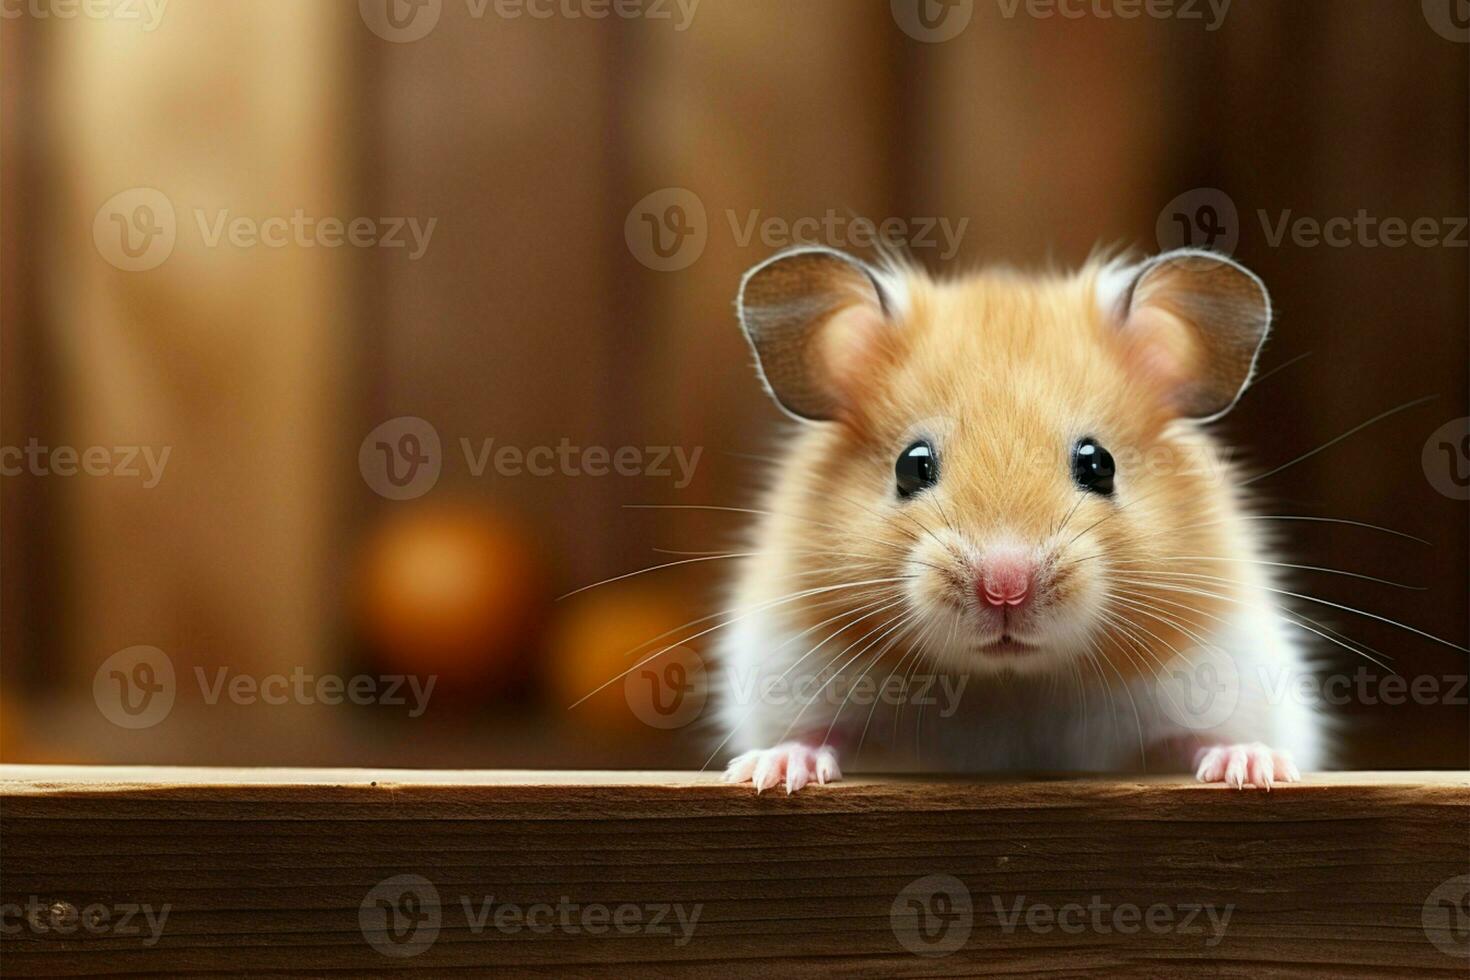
530,320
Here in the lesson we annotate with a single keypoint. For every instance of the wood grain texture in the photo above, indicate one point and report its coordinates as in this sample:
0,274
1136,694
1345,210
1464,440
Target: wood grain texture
269,871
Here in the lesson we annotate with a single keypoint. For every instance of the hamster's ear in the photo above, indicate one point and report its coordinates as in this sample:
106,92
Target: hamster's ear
816,319
1193,322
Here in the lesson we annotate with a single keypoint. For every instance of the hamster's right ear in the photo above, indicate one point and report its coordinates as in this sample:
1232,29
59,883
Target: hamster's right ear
816,319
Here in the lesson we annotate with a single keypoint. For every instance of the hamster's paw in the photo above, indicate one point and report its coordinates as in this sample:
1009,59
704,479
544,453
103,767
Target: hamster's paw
791,763
1236,765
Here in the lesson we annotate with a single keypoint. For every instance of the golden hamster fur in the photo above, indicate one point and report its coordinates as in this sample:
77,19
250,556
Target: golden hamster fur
998,536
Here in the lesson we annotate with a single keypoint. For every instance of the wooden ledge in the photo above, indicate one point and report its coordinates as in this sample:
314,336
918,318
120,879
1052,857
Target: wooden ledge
616,873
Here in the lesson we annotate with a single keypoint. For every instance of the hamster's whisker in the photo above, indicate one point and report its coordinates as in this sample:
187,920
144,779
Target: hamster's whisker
1289,616
761,607
900,619
1303,517
1143,646
879,655
1093,654
1137,721
864,507
1133,606
910,652
861,609
923,644
1275,564
655,568
1251,386
1151,601
898,712
1334,441
736,609
1068,518
1112,514
732,510
1324,602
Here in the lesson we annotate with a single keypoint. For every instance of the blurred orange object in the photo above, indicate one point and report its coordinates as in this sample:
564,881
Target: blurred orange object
452,592
590,645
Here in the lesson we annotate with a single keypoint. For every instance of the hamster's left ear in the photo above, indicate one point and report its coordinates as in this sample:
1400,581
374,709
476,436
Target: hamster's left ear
1193,323
816,319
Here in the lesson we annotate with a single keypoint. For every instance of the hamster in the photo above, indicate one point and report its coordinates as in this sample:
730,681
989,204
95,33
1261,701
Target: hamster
999,488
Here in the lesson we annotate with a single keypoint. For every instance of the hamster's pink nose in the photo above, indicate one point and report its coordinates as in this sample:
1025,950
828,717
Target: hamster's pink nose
1005,579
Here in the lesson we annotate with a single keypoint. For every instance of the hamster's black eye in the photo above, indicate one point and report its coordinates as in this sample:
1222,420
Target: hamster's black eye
916,469
1092,467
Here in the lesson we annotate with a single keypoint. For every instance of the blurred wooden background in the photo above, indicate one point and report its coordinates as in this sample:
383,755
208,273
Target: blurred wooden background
530,319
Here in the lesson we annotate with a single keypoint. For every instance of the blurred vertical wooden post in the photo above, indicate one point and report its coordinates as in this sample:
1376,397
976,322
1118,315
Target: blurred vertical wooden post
226,357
